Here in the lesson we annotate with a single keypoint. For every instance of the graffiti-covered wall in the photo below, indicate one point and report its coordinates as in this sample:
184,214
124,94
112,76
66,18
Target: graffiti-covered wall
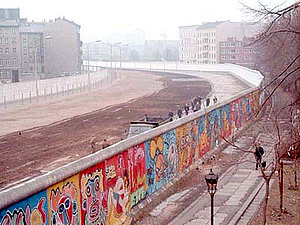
106,192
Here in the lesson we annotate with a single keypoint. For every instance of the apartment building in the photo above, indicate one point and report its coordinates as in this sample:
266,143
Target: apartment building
199,44
63,48
32,48
50,48
239,52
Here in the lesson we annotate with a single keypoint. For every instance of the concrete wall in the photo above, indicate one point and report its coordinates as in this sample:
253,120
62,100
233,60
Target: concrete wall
103,187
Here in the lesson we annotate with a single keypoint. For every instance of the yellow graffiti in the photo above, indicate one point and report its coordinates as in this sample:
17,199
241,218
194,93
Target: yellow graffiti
110,172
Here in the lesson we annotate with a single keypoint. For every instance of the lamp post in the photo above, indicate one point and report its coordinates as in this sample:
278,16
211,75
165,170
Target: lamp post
89,75
36,66
211,181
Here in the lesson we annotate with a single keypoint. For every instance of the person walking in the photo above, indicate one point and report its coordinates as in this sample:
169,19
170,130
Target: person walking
259,151
207,102
186,109
171,114
179,113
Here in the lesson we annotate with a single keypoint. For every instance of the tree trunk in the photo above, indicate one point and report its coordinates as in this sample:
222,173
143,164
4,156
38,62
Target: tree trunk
266,200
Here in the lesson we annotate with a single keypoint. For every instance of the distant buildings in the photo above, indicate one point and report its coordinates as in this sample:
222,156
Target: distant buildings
238,52
50,48
200,44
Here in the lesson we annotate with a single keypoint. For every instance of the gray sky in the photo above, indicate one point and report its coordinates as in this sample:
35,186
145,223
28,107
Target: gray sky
98,18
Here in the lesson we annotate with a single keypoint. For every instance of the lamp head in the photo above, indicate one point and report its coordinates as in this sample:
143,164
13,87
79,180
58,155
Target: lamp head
211,181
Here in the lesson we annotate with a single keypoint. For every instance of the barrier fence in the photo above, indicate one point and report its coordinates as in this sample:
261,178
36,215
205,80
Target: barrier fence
103,187
26,92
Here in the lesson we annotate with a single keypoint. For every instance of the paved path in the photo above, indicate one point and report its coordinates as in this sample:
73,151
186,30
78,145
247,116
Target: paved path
236,189
224,85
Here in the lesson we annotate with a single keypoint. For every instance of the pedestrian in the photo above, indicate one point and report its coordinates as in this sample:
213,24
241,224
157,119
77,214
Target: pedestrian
193,105
215,100
207,102
186,109
146,118
259,151
171,114
93,143
179,113
105,144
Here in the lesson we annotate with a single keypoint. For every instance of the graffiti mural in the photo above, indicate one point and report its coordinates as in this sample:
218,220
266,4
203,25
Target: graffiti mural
156,164
117,189
92,195
204,135
195,141
170,150
106,192
31,211
215,124
184,145
137,173
235,115
225,121
64,202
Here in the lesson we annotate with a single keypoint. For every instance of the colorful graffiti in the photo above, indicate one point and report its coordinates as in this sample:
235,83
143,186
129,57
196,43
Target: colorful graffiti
156,164
117,191
184,145
32,211
64,202
106,192
203,135
137,174
92,195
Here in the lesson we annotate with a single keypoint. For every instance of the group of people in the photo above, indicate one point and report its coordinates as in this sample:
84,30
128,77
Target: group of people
194,106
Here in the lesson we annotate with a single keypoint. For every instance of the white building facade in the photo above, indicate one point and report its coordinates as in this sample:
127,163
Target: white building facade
199,44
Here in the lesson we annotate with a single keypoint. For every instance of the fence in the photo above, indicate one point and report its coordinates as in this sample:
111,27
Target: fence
25,92
103,187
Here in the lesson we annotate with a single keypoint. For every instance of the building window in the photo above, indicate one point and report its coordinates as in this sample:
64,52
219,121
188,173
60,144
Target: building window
223,51
1,73
14,50
223,44
24,40
246,57
25,63
1,50
246,50
6,50
250,50
13,40
6,40
7,62
224,57
0,40
1,62
14,61
7,74
25,55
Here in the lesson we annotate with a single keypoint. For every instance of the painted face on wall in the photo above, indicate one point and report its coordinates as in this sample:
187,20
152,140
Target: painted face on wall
93,200
64,206
160,167
92,193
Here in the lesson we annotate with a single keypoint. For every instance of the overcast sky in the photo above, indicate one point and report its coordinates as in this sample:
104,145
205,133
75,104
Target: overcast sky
98,18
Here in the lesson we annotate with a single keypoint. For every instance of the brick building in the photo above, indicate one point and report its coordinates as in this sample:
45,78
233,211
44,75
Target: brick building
237,52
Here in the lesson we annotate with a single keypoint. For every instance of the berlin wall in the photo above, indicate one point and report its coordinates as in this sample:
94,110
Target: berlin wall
103,187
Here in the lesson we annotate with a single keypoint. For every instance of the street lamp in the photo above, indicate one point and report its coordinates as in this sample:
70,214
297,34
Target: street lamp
89,75
36,66
211,181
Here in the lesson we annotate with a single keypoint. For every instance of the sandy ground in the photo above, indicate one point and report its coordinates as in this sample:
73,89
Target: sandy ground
102,114
131,85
